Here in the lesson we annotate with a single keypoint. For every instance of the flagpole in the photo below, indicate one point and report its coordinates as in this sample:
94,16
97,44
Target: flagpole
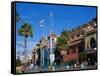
43,31
41,23
50,39
51,48
52,23
51,30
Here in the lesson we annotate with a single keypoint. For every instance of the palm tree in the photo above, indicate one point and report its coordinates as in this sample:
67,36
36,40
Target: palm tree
25,31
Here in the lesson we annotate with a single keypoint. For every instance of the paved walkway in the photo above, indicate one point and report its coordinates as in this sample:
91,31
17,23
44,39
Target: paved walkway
63,68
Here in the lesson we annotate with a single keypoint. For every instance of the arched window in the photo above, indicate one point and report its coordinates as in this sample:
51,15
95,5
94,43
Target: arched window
92,43
88,45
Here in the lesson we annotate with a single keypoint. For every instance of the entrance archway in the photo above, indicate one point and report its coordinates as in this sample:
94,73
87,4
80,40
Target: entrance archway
92,42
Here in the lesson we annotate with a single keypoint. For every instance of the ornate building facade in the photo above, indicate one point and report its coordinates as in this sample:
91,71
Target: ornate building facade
83,38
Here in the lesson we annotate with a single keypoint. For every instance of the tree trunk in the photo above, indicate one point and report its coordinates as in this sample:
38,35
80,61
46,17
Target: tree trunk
25,43
25,49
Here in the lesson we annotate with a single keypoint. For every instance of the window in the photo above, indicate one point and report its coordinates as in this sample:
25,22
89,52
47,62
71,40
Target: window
68,52
81,48
73,50
92,43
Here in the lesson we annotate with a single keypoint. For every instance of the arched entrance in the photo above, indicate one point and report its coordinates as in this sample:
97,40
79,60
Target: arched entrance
92,42
92,58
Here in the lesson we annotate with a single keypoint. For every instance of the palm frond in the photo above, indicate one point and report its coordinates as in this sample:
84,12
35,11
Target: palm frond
26,30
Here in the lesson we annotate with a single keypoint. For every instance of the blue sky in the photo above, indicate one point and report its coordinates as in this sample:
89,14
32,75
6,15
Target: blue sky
63,17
